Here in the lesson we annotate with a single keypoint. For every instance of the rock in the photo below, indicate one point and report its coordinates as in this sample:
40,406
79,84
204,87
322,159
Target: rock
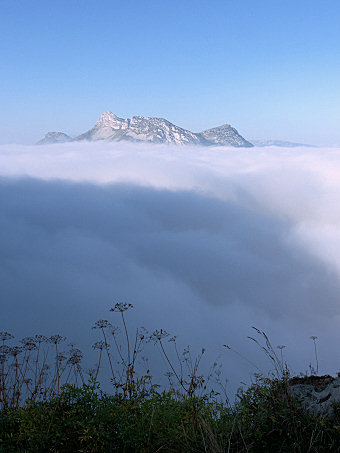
317,394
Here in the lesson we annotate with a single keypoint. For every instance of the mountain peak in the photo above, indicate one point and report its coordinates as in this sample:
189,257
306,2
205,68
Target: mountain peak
225,135
108,116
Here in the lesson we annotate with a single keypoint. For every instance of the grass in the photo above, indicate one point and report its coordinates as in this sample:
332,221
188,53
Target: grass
49,405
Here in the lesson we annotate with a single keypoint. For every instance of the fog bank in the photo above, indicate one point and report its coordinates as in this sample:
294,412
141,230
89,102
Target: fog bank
204,242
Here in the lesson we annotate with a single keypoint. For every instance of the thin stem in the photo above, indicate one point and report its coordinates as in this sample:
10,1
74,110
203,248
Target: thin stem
172,368
108,353
127,335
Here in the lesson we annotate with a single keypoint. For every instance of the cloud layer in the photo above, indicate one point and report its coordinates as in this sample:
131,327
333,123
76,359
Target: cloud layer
204,243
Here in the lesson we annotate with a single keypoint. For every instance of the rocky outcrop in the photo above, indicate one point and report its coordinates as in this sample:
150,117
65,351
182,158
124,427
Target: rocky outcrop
316,394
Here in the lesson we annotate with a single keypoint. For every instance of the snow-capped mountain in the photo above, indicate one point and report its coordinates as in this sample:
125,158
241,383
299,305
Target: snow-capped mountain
54,137
110,127
140,129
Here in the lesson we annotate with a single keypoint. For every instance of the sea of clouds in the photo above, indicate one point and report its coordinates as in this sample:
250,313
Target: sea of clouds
204,242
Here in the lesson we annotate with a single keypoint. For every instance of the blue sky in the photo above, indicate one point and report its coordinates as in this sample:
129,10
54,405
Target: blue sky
268,67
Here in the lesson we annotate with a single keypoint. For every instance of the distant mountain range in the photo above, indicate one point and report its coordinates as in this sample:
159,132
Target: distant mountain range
110,127
281,143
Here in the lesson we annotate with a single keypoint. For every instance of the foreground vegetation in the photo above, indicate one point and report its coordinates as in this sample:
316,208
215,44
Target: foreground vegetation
54,408
85,420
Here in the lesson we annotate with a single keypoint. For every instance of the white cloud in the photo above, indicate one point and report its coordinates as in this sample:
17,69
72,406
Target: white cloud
203,241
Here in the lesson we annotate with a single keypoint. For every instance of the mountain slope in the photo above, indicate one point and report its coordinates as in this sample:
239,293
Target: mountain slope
225,135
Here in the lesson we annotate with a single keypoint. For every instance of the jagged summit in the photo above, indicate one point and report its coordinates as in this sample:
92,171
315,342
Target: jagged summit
106,126
110,127
109,118
139,129
108,114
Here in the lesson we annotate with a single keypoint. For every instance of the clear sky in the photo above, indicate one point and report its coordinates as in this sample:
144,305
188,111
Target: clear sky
270,68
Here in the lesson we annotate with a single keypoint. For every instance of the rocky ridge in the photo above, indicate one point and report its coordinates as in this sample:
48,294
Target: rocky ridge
110,127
